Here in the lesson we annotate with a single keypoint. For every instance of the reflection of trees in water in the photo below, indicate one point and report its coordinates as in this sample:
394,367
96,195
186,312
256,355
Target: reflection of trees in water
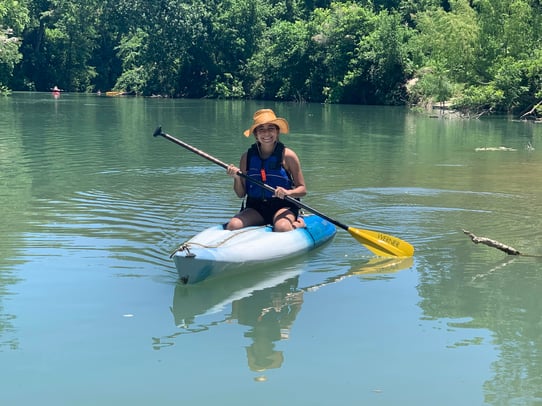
505,298
517,323
6,326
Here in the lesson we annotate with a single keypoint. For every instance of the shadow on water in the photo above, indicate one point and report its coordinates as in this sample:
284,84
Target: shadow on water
265,300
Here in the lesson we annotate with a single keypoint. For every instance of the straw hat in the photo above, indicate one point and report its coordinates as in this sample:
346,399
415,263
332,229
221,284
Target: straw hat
267,116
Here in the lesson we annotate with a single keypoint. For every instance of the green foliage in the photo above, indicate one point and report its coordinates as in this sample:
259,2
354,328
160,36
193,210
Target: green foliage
338,33
381,62
449,40
432,85
14,16
519,82
236,35
515,85
131,51
509,80
9,56
508,27
132,80
479,99
279,70
359,56
483,54
58,44
226,87
13,20
532,68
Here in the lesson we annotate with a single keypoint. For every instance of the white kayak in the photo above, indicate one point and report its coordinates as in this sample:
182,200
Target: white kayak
216,250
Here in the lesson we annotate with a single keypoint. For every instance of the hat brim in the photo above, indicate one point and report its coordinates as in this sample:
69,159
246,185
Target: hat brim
281,123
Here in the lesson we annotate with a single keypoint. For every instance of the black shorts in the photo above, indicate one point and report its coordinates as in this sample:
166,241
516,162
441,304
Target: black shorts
267,208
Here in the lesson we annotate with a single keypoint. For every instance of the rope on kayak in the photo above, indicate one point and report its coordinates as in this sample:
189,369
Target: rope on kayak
181,248
187,245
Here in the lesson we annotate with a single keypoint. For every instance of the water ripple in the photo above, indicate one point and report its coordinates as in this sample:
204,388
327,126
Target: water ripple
424,217
136,230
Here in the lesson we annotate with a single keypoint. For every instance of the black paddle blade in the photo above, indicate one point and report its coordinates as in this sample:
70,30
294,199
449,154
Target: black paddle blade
157,132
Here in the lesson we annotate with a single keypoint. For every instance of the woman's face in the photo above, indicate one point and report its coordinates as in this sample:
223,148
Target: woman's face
266,133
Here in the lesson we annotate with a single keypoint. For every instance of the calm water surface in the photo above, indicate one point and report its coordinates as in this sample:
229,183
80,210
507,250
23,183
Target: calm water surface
90,308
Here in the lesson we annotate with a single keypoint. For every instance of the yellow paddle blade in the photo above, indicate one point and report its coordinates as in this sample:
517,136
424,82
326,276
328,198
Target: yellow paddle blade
382,244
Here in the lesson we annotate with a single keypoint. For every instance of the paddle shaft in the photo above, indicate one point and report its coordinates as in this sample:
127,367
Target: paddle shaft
377,242
241,174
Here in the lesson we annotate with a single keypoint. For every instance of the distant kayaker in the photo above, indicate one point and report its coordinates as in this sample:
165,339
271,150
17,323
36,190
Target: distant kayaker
270,162
56,92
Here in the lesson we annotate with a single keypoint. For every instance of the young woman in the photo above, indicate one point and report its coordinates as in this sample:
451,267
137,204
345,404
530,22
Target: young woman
270,162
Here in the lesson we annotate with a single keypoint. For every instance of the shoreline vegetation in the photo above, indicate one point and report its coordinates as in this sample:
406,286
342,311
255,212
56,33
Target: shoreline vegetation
461,58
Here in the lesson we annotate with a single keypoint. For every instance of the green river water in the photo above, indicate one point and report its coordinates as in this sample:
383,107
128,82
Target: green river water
91,311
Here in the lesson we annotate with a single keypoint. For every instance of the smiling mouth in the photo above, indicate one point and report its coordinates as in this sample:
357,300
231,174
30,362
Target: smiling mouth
267,139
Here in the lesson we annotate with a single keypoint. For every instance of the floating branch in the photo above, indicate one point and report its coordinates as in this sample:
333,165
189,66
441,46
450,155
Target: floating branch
492,243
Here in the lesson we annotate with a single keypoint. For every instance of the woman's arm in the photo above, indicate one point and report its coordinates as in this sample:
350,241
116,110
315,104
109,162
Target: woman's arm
292,165
239,182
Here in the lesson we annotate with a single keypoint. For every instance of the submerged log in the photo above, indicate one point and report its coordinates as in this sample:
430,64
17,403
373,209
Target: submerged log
492,243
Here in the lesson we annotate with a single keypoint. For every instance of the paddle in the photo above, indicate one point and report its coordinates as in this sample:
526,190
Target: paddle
381,244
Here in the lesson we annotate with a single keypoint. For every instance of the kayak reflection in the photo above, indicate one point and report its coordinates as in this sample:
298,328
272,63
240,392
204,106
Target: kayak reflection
196,307
267,301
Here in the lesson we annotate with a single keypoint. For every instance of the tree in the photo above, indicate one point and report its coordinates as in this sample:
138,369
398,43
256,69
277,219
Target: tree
238,29
337,33
131,51
381,61
59,42
508,28
13,20
510,35
280,68
449,41
176,49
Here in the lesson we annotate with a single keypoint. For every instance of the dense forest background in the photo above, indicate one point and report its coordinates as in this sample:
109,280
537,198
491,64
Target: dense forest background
479,55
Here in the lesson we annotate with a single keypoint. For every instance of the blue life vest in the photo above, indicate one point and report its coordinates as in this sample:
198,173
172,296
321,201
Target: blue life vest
269,171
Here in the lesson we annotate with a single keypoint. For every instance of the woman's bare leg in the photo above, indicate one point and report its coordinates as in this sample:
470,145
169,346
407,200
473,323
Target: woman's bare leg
284,220
246,218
